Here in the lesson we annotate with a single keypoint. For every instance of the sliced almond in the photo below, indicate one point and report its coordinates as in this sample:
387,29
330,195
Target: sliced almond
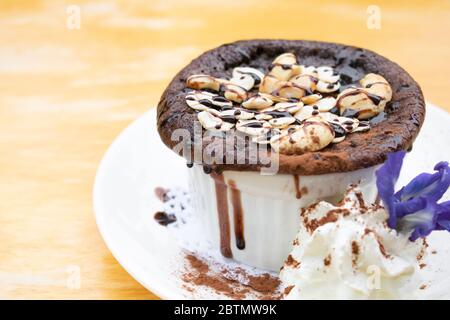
326,104
326,74
202,81
202,100
208,121
356,101
377,85
255,73
253,127
281,122
245,81
306,112
257,102
307,82
325,87
291,107
308,70
243,114
312,98
269,84
311,136
285,67
289,90
234,92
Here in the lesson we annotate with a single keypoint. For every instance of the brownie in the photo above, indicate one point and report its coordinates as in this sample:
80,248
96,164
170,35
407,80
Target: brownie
394,129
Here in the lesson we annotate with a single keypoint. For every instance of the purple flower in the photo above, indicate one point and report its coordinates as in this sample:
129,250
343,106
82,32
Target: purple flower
414,208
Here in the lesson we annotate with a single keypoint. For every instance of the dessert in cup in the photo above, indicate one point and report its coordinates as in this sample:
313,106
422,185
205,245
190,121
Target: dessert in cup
270,127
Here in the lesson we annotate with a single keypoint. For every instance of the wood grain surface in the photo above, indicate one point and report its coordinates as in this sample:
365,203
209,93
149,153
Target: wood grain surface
66,93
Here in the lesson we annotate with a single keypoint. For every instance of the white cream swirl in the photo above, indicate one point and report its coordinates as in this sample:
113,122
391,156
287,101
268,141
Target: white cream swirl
348,252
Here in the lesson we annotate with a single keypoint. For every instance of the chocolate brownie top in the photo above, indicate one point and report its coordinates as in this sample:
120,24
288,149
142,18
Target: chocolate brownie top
393,129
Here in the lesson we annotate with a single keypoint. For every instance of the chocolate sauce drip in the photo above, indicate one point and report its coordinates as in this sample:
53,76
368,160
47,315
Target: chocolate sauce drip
230,118
338,130
378,82
222,210
350,113
207,169
189,164
238,215
164,219
375,99
283,66
334,110
298,190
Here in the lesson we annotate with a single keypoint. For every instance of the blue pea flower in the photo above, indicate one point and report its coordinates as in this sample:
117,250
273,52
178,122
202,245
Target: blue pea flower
414,208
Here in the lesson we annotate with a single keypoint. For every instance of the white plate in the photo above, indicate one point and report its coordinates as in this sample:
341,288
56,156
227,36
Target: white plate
137,162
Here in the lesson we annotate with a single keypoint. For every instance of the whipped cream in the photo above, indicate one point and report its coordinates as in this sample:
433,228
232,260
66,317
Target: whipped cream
349,252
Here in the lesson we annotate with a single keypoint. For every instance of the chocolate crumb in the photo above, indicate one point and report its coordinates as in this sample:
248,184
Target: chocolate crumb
327,260
422,287
161,194
163,218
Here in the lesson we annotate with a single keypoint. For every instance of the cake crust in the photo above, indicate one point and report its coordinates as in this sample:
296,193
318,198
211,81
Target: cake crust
393,130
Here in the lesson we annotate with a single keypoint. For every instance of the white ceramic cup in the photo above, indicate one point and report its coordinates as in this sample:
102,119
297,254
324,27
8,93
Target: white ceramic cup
271,206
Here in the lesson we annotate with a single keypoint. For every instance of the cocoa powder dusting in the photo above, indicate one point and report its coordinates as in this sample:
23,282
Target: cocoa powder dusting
234,283
355,253
380,244
291,262
332,216
422,250
287,290
362,204
161,194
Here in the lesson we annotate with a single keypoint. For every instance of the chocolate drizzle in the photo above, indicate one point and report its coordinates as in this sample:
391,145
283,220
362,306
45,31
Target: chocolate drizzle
254,124
222,210
353,113
238,215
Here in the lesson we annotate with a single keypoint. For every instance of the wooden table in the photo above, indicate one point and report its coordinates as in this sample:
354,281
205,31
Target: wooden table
65,94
